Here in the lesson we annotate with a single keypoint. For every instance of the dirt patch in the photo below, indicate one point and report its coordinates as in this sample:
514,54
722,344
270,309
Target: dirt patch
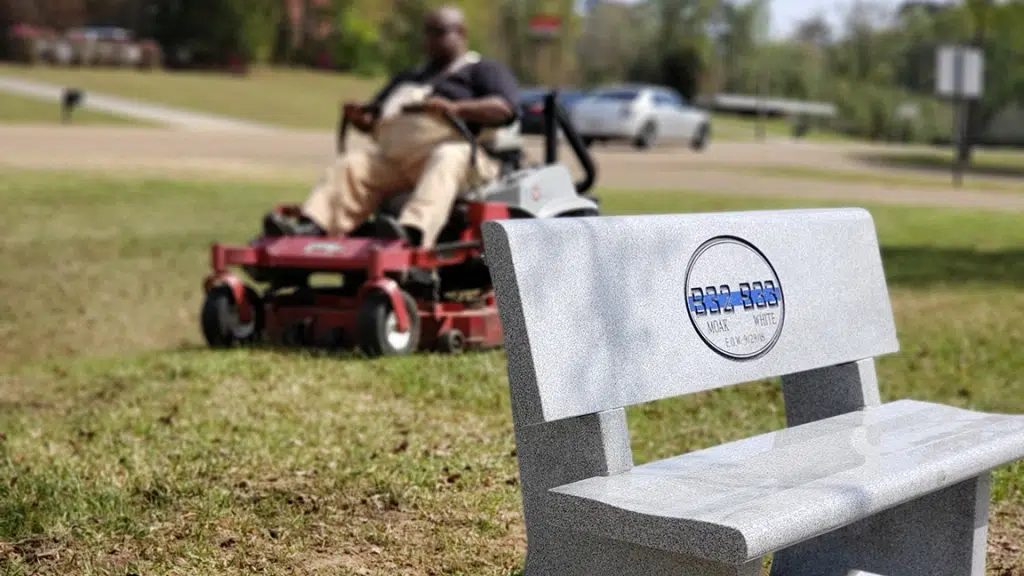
302,155
1006,540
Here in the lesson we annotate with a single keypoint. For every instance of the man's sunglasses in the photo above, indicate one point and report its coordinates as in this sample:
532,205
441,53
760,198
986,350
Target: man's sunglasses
436,31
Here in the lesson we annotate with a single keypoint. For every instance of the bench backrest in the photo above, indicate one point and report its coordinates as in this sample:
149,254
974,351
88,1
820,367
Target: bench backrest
607,312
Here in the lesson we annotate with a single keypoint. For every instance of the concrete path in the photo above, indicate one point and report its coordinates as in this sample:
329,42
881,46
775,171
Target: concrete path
176,118
303,155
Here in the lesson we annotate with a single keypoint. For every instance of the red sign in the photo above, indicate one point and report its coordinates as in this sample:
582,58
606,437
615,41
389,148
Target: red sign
545,25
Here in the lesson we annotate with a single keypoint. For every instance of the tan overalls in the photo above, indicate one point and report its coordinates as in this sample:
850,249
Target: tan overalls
414,151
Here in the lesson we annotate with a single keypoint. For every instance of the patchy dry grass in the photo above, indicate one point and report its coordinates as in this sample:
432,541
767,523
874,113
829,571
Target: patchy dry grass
126,447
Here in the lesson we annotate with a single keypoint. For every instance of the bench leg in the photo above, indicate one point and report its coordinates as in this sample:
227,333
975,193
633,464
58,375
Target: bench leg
570,450
940,534
556,552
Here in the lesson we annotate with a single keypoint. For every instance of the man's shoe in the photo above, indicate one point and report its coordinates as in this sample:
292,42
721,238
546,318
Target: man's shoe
275,224
306,227
389,229
421,276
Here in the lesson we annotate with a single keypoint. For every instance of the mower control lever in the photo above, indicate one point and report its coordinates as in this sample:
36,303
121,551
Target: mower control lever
373,109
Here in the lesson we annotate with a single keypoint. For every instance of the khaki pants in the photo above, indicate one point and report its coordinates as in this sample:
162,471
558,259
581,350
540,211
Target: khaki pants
357,181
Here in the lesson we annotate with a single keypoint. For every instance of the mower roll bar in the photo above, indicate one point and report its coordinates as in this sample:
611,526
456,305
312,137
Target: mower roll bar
554,117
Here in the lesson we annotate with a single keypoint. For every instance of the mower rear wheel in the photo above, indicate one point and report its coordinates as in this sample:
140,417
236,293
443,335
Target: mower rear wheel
220,320
378,326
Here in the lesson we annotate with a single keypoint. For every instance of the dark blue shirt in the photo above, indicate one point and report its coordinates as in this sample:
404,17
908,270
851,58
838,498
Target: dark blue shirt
483,79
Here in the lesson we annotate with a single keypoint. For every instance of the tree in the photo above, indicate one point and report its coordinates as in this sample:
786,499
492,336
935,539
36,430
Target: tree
745,26
1003,44
610,41
211,32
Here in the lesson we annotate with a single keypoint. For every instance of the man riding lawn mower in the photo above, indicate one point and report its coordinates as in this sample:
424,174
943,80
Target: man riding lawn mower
400,222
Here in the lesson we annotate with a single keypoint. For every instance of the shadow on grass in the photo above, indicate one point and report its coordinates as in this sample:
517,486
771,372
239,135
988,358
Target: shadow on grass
919,266
941,163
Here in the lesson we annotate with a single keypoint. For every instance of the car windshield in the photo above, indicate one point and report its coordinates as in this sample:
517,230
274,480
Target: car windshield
617,95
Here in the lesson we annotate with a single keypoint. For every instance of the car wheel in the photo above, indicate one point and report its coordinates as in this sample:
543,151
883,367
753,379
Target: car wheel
700,140
647,136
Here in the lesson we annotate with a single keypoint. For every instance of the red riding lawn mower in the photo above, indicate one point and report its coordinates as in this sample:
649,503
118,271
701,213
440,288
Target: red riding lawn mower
378,305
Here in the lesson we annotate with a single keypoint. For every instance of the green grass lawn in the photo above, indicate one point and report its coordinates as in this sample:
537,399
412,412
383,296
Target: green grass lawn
889,179
22,110
126,447
940,160
731,127
294,98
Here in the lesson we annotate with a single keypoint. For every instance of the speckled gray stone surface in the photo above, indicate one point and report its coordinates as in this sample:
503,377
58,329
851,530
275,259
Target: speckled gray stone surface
941,534
745,499
596,317
596,308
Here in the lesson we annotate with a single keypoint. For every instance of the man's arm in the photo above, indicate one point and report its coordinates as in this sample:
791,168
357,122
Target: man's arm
498,93
487,111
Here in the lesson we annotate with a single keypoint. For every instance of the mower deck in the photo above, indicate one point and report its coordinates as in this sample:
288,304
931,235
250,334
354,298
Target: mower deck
375,307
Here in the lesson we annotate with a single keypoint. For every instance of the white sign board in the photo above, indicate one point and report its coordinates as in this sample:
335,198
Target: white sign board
961,65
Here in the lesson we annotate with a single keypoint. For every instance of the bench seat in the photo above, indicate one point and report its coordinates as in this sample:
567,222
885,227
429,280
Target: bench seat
745,499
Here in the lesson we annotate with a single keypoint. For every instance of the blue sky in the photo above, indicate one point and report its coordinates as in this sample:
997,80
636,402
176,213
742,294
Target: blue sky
787,13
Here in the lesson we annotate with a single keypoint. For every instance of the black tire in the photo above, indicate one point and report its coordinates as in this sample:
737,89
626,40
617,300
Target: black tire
647,136
700,139
451,342
375,327
221,325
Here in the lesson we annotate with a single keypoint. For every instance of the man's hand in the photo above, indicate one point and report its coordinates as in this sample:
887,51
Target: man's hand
358,115
353,110
440,106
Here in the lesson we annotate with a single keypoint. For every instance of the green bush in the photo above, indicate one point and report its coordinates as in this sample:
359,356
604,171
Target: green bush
871,111
356,47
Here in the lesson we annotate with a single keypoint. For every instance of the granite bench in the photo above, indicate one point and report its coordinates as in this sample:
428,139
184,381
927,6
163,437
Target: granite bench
604,313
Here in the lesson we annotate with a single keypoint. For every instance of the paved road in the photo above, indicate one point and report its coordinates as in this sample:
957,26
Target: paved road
116,105
724,168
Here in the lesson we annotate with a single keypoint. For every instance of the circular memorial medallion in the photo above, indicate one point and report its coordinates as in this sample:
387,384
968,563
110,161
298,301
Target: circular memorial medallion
734,298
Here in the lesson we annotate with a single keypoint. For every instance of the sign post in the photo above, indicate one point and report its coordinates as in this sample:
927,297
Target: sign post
959,76
545,30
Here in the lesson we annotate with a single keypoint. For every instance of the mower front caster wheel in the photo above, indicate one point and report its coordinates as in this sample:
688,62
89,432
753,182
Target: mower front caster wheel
451,342
378,326
220,320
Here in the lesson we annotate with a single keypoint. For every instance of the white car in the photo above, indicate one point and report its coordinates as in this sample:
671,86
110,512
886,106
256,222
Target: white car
642,114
